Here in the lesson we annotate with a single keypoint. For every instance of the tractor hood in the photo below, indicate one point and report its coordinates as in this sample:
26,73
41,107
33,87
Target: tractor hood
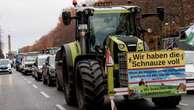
128,43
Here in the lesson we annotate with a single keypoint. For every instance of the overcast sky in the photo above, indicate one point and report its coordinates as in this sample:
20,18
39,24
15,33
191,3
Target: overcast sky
27,20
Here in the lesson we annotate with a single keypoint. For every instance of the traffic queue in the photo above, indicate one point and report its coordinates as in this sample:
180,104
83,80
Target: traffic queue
40,65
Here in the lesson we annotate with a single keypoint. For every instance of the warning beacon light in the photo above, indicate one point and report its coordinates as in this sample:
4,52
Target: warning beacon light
129,2
74,3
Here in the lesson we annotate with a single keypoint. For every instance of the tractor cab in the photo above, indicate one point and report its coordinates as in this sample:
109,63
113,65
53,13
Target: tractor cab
115,27
99,24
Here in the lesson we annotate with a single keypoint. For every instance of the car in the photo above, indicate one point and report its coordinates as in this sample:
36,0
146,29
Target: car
27,62
5,65
38,65
48,70
189,70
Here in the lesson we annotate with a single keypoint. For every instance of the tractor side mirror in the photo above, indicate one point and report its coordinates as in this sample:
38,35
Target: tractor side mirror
66,17
160,12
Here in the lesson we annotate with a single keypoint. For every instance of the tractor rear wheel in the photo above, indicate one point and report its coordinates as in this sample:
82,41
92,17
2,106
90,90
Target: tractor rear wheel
90,87
171,101
69,85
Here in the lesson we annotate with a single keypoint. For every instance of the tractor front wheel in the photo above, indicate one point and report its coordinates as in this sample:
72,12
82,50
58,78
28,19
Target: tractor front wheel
90,87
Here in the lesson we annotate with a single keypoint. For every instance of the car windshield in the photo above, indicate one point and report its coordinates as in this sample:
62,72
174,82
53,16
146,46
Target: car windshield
4,62
29,58
52,61
102,25
41,61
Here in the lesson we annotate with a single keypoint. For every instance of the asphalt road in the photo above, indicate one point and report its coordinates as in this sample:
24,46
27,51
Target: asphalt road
19,92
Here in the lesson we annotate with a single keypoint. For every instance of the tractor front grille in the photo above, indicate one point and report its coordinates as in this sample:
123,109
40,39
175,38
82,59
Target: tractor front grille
123,74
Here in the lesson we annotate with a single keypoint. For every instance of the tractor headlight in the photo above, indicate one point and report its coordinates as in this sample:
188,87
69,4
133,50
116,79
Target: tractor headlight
132,9
138,9
121,46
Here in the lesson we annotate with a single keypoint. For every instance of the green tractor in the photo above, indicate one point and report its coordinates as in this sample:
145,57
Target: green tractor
91,66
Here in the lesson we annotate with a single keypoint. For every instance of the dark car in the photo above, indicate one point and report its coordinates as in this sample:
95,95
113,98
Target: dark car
38,65
59,68
48,70
18,62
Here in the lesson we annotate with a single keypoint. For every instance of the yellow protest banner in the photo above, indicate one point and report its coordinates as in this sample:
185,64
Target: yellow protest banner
156,59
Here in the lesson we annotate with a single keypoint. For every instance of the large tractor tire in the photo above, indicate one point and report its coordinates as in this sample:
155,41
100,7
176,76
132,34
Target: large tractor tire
163,102
90,87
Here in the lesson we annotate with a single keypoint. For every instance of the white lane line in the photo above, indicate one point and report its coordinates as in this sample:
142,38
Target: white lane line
44,94
34,86
25,79
60,107
29,82
183,104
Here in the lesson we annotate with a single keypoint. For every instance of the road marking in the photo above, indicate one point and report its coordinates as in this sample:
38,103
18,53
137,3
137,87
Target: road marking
34,86
25,79
183,104
29,82
60,107
45,95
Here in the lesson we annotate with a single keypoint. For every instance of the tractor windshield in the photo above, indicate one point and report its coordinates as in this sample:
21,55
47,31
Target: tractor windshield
104,24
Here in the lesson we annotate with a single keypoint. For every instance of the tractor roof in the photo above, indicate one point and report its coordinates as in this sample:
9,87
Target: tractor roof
104,9
115,7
